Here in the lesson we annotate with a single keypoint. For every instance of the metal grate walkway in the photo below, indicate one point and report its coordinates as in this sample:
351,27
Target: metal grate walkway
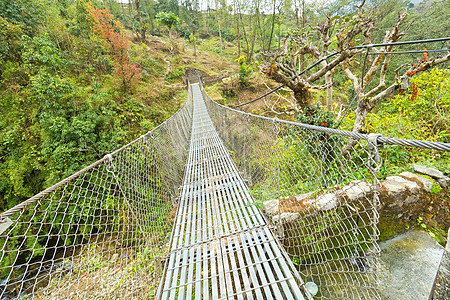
221,247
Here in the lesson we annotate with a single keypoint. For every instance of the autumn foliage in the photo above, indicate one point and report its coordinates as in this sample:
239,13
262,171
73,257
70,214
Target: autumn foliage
418,67
108,29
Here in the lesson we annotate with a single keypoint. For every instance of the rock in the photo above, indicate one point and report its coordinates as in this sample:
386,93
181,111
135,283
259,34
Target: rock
271,207
424,182
304,196
443,180
393,187
408,266
356,189
441,288
411,199
285,217
4,224
428,171
412,185
326,202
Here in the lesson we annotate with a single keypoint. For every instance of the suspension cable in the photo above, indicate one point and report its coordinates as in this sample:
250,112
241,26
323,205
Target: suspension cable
409,52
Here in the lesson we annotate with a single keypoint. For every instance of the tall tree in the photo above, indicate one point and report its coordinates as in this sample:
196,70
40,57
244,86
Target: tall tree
218,13
141,24
281,65
170,20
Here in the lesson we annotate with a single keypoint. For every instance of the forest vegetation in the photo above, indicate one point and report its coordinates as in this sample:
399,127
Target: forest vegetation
82,78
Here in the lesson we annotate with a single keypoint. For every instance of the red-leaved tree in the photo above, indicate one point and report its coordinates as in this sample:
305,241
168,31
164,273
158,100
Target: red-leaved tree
108,29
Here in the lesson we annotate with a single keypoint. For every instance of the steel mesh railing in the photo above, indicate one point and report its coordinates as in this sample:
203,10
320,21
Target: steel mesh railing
318,191
103,232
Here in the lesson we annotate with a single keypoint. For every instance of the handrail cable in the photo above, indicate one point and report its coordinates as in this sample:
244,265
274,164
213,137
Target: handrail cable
381,139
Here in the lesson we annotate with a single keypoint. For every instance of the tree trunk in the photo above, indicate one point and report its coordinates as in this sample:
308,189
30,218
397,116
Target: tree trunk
279,31
253,39
195,43
238,36
360,116
303,98
261,34
220,32
273,25
141,24
245,35
171,41
329,81
130,10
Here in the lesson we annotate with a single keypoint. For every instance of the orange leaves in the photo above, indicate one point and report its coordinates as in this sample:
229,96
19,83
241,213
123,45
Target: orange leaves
108,28
425,55
414,91
418,67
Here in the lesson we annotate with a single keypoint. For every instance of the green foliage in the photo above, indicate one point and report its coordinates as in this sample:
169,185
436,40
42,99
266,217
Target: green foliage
175,74
244,71
40,53
422,113
436,233
316,115
60,107
9,40
20,12
168,19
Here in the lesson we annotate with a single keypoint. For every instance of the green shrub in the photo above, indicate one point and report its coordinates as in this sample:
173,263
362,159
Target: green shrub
175,74
244,71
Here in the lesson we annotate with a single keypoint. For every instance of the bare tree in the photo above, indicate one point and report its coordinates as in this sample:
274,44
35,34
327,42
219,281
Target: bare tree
220,31
281,65
141,24
367,100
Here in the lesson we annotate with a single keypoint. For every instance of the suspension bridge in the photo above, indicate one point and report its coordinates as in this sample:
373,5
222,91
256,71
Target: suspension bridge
178,214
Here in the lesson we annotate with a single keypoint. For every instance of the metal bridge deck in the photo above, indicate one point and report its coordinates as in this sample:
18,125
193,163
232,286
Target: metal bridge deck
221,247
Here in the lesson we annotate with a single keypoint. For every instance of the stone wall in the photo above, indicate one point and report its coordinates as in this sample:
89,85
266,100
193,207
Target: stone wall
407,200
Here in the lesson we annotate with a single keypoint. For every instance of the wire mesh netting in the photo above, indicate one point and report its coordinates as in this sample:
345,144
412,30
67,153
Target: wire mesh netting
318,191
103,232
